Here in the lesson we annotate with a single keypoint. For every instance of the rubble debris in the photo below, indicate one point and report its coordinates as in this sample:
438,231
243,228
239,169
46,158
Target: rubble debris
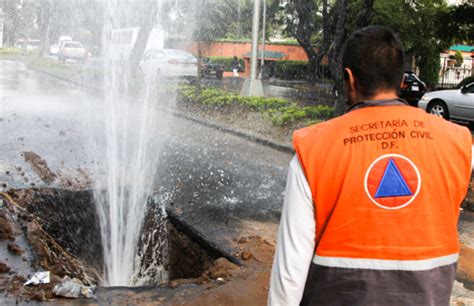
222,268
53,257
38,296
39,166
246,255
243,240
4,268
14,249
73,288
6,229
174,284
42,277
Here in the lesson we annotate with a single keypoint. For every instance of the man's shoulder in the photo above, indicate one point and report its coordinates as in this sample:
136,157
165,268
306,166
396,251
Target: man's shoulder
327,126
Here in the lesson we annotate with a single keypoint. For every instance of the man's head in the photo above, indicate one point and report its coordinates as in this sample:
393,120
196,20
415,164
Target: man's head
373,63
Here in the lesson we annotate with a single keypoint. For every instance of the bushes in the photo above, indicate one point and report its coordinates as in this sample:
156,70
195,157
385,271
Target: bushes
10,51
215,97
290,70
282,113
294,115
226,62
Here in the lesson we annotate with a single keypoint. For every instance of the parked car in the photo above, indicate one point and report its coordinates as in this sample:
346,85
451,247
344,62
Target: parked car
30,44
412,88
210,69
63,39
168,62
72,50
450,104
54,49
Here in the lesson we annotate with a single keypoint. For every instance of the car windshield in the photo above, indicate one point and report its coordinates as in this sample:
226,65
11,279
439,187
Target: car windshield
72,45
410,78
154,54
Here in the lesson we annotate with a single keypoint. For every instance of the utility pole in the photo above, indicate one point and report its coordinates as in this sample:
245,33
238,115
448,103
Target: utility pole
264,32
253,86
1,27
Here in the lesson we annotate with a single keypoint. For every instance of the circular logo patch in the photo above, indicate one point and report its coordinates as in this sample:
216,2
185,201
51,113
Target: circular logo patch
392,181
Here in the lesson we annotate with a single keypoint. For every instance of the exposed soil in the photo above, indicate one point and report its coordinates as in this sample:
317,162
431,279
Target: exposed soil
29,248
466,267
249,285
39,166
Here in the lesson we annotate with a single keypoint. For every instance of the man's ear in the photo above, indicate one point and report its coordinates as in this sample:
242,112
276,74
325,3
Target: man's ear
349,79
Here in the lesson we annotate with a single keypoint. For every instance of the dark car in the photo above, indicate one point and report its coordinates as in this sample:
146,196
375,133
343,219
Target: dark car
210,69
412,88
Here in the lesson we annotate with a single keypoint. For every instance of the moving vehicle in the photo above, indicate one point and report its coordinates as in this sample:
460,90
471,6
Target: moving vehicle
72,50
210,69
412,88
168,62
450,104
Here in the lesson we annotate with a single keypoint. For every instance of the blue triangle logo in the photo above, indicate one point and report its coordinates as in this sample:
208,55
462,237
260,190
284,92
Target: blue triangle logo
392,184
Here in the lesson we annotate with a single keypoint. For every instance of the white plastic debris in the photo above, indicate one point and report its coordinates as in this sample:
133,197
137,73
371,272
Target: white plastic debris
73,288
88,291
39,278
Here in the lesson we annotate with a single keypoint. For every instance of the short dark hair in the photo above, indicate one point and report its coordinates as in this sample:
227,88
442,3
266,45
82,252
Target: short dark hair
376,58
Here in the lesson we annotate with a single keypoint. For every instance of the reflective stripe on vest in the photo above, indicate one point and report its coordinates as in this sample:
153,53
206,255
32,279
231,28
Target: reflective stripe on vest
385,264
387,182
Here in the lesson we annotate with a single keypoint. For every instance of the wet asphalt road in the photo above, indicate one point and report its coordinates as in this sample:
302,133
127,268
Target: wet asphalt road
211,179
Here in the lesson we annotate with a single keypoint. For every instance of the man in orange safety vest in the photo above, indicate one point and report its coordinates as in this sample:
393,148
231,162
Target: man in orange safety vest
373,197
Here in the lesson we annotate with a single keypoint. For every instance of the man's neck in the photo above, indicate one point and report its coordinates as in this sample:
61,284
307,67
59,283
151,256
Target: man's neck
384,95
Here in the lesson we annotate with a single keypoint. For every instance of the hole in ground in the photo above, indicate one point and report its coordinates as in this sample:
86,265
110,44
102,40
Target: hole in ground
70,219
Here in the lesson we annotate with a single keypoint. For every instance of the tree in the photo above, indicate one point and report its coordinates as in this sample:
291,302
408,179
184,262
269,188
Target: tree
456,24
20,20
303,23
45,12
335,66
149,11
418,23
459,59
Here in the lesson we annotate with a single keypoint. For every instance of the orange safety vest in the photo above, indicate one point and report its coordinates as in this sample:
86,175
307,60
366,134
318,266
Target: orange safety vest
387,183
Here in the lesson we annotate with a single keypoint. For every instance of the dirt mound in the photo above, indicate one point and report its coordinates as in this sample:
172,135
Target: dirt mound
39,166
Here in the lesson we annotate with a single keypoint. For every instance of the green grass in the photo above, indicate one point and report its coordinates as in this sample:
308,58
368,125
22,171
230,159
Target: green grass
10,51
282,112
72,71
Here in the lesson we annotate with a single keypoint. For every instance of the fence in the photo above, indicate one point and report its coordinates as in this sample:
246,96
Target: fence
449,77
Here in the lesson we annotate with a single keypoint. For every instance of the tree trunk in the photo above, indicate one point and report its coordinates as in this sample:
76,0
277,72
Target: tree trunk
142,38
323,50
335,67
363,19
199,62
304,31
44,22
366,14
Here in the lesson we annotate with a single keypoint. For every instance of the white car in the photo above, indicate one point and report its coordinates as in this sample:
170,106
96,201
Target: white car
168,62
72,50
450,104
54,49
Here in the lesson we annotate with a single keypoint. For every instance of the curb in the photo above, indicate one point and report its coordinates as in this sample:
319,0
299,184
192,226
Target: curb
227,129
89,87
